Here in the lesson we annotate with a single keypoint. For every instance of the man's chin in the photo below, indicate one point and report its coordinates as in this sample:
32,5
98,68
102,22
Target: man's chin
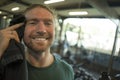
39,50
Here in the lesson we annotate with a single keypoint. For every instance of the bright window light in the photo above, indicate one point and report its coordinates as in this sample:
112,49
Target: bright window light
78,13
52,1
15,9
0,12
4,17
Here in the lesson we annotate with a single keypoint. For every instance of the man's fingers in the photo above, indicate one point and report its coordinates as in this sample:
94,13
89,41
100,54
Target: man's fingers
11,28
16,36
10,32
13,35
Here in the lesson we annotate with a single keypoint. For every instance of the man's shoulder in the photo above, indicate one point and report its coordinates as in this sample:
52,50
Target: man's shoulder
63,63
67,68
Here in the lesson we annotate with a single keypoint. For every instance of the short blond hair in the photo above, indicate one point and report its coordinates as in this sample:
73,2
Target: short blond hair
51,10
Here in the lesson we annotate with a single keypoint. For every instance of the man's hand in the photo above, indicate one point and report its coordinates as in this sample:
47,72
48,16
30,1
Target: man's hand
6,35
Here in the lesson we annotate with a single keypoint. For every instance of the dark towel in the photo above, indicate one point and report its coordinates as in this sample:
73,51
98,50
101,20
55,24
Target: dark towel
14,53
13,63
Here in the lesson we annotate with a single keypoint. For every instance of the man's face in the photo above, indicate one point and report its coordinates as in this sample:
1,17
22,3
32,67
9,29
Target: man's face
39,29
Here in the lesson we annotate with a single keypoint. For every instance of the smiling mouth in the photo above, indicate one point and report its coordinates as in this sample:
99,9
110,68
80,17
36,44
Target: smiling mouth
39,39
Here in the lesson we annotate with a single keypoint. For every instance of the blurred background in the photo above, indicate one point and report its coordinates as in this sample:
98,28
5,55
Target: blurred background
87,33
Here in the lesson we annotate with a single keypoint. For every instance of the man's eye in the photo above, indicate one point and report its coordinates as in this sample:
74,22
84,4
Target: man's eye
31,22
48,23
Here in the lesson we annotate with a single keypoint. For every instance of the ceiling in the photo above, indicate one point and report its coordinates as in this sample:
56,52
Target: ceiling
95,8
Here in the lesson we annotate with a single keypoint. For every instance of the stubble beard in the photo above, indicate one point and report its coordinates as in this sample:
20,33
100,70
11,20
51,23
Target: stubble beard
38,51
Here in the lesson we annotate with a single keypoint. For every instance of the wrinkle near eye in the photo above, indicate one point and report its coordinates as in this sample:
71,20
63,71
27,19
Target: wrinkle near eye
32,22
46,22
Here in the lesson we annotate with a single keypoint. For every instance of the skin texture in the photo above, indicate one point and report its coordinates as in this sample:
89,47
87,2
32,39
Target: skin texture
39,25
38,36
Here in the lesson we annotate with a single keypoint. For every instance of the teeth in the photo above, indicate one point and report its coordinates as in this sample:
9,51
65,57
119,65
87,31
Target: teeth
39,39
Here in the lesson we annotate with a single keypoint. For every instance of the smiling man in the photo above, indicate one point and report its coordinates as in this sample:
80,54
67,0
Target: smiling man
38,38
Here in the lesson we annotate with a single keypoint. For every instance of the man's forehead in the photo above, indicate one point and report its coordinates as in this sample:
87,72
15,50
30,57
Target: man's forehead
38,10
39,19
37,15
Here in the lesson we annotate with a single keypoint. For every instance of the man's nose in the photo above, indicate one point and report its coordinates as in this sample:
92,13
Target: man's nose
41,27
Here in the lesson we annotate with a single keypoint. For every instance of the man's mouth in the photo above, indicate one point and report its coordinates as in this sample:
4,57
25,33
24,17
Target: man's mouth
39,38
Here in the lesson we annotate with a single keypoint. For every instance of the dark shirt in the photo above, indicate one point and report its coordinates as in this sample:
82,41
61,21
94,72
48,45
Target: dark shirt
59,70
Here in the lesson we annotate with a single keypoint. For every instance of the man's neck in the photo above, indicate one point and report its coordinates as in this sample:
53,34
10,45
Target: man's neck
40,60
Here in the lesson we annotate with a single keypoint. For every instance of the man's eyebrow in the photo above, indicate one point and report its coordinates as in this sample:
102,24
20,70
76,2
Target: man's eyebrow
32,20
50,20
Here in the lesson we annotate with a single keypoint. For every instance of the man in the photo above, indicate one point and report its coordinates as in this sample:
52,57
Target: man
38,37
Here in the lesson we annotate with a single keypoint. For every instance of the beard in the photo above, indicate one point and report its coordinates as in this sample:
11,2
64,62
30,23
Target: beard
38,42
37,48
